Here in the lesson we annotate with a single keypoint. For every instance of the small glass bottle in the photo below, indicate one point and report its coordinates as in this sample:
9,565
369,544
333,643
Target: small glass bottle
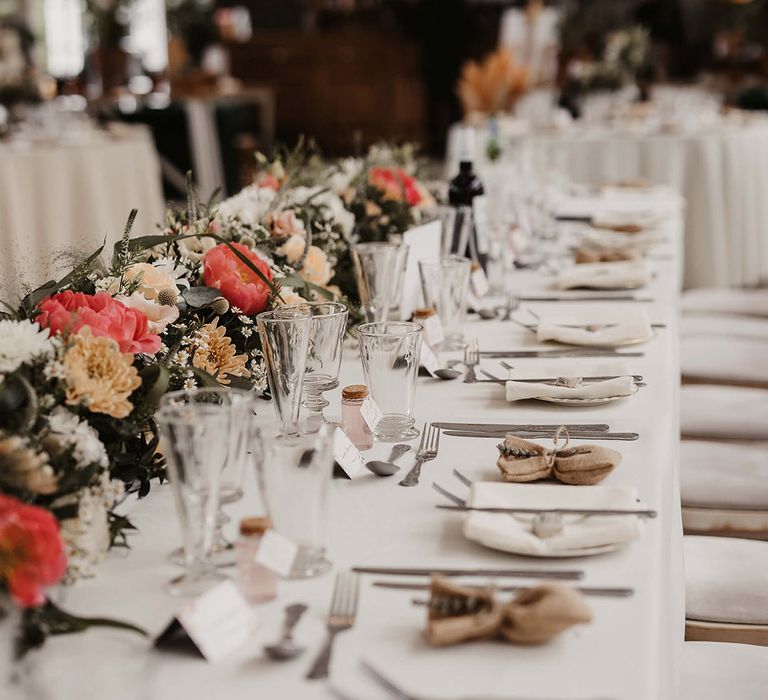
256,582
352,421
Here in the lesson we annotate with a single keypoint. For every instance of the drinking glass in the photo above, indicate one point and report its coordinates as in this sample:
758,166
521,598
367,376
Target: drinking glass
198,441
294,473
326,338
390,353
397,283
376,272
445,284
284,336
455,229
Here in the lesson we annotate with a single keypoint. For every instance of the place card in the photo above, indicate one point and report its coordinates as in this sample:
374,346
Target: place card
433,330
428,360
277,553
213,625
347,455
479,282
370,412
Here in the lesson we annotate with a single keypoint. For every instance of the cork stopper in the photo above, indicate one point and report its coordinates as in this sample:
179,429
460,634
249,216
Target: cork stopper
475,266
250,527
354,391
422,313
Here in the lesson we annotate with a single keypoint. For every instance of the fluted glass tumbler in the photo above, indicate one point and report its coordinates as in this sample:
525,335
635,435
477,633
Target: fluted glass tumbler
390,352
326,340
445,284
199,438
294,474
284,336
377,268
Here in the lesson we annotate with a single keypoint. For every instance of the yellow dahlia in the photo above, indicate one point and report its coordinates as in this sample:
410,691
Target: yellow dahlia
98,375
216,354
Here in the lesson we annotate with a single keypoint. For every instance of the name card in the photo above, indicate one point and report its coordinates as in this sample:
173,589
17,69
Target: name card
433,329
214,625
371,413
347,455
481,223
277,553
479,282
428,360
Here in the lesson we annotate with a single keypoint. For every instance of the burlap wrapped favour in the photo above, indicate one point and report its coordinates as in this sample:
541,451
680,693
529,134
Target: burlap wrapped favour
534,616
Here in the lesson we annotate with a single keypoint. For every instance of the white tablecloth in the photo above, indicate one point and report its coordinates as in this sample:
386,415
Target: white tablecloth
629,652
60,200
720,171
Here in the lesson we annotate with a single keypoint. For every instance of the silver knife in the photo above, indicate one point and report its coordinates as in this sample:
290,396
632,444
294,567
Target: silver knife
622,297
544,380
586,590
640,513
563,574
597,427
631,437
544,354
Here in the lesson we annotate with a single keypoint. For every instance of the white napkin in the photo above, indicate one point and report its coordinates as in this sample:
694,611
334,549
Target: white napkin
570,367
629,274
621,386
644,218
633,329
513,533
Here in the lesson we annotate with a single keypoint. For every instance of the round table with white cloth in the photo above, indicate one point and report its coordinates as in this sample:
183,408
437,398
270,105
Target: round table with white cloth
720,170
61,200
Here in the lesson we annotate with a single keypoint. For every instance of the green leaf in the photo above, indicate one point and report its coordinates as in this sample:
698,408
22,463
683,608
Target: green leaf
200,297
156,379
206,379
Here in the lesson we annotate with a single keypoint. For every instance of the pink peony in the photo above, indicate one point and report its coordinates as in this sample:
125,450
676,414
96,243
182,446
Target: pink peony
286,224
395,184
238,284
31,553
68,312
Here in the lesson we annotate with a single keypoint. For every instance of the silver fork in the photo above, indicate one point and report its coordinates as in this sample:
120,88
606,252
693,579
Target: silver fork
340,618
512,305
428,447
471,360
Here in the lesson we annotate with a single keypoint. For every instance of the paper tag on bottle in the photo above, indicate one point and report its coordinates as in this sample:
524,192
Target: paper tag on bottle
433,329
370,412
277,553
479,282
347,455
218,622
428,360
481,223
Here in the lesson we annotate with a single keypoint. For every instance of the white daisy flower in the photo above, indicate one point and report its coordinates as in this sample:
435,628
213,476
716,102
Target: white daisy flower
20,342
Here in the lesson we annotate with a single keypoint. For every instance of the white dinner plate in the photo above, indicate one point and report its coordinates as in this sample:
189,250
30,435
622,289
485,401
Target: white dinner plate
584,552
585,402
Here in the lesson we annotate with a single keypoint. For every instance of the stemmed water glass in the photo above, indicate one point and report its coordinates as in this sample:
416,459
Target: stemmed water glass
326,339
376,273
204,433
445,284
285,334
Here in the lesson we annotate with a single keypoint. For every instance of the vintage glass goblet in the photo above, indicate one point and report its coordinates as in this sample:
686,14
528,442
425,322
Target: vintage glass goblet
445,284
376,273
284,336
294,474
390,352
242,405
196,442
326,340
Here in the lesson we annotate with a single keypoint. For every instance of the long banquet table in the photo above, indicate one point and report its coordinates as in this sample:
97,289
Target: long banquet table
630,651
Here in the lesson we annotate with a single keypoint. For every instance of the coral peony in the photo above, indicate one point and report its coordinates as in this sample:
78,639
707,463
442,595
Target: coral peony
68,312
395,184
238,283
31,552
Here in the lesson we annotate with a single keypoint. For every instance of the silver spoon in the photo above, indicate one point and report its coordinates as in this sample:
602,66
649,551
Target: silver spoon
388,468
447,373
487,314
285,648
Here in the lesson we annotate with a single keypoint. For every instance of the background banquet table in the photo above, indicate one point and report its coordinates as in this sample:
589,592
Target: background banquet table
719,169
64,199
629,652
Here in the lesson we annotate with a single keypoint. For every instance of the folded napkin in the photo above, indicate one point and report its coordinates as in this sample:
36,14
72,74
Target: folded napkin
643,242
514,533
597,254
621,386
608,275
570,367
610,335
626,221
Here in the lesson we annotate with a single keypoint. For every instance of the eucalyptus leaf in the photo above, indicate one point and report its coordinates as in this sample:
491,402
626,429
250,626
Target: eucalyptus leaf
199,297
155,378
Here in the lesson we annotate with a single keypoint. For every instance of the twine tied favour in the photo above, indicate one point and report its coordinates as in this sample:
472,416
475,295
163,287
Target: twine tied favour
522,461
534,616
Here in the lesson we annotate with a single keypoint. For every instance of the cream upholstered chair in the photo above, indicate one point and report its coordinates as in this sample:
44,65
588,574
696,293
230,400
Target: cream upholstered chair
721,324
723,413
744,302
716,671
724,359
724,488
726,590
